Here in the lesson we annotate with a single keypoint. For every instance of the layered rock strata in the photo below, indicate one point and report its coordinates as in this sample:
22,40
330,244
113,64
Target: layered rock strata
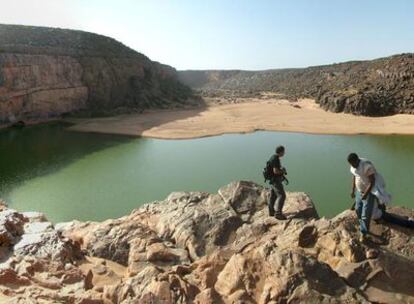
46,73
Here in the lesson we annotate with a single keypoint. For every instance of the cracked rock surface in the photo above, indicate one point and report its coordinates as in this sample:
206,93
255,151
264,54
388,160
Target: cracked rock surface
210,248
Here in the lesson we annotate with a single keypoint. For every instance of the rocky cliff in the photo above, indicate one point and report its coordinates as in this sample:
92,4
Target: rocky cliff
47,72
206,248
375,88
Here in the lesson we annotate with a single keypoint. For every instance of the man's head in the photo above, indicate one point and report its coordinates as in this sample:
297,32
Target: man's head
353,160
280,151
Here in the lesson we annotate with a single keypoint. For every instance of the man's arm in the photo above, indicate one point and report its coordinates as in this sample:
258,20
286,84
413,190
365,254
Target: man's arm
277,168
353,187
370,186
277,171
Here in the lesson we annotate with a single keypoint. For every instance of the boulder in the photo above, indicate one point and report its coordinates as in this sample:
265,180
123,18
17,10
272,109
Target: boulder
11,226
41,240
34,216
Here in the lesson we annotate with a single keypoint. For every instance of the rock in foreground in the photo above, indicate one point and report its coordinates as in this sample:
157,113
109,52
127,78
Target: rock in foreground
211,248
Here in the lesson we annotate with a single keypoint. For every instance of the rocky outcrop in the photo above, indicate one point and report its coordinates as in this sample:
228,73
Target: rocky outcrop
215,248
30,234
374,88
37,263
40,86
45,73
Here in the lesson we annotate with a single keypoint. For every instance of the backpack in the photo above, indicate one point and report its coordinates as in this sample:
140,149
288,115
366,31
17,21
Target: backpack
268,171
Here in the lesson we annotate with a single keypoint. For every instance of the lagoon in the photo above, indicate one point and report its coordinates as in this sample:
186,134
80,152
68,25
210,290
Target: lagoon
86,176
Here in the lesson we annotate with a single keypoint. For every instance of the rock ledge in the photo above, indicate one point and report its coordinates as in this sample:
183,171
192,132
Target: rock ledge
206,248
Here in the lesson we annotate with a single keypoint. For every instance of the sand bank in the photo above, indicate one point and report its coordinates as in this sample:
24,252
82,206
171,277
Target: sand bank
273,115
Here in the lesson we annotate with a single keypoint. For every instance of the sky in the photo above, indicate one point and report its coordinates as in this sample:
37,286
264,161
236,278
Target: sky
234,34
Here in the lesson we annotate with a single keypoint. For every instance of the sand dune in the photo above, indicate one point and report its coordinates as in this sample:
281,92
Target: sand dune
248,116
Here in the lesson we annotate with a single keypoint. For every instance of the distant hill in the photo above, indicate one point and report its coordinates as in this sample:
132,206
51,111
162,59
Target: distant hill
48,72
375,88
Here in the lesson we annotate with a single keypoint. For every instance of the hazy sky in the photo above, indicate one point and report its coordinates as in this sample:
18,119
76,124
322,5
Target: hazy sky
234,34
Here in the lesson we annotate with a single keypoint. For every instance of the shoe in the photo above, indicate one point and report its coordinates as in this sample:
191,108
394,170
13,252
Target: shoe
280,216
271,213
363,238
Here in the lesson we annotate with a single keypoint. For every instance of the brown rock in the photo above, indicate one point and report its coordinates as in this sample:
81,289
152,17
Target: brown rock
10,277
210,248
372,253
158,252
11,226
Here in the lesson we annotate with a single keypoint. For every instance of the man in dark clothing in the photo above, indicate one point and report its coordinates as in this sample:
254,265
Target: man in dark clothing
277,194
379,213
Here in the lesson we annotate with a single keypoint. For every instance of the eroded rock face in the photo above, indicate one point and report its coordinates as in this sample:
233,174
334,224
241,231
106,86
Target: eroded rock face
223,248
40,86
46,72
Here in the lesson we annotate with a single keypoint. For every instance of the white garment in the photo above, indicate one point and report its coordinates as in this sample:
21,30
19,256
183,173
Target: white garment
379,190
362,173
376,212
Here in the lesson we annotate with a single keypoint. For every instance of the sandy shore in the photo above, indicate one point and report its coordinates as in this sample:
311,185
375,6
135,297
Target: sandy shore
252,115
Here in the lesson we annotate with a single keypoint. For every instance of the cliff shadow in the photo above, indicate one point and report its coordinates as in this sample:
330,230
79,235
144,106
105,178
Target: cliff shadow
43,149
136,124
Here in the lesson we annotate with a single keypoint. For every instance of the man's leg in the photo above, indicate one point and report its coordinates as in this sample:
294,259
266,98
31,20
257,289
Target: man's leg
396,220
281,197
365,219
358,205
271,202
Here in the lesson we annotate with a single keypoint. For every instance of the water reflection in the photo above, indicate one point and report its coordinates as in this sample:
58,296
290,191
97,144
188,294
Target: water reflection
42,149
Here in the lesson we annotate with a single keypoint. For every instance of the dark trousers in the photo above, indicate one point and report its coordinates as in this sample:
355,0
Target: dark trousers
278,196
394,219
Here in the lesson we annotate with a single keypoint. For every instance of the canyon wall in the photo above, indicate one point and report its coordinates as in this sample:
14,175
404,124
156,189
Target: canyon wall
47,72
378,87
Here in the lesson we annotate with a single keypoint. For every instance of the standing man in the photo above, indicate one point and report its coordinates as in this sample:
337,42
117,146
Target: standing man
363,182
277,176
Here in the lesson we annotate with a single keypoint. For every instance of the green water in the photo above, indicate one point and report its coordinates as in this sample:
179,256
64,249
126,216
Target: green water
83,176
